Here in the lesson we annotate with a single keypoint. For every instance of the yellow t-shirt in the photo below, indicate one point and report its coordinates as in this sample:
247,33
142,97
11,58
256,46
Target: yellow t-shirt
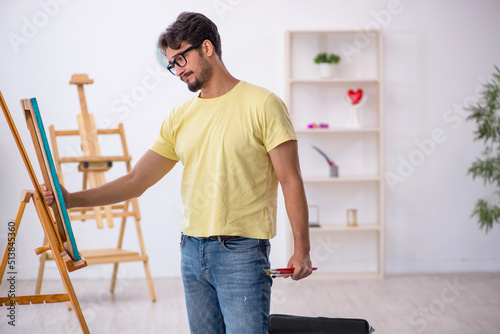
229,186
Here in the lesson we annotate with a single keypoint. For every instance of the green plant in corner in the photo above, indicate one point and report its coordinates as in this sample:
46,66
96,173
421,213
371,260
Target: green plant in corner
324,57
485,113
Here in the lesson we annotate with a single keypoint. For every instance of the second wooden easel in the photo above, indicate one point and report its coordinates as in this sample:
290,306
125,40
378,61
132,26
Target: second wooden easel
93,166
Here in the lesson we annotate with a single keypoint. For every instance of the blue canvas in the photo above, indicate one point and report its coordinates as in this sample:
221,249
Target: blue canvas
53,173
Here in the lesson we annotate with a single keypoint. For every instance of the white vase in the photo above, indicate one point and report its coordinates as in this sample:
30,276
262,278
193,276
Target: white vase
354,117
326,70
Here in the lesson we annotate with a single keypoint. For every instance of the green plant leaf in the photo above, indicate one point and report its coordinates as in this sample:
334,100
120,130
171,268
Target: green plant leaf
486,213
485,113
324,57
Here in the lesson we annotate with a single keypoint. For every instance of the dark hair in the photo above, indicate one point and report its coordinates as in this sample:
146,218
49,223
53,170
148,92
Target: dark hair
191,28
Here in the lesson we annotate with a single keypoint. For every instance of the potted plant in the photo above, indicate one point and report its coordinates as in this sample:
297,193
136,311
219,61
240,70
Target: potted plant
326,62
486,114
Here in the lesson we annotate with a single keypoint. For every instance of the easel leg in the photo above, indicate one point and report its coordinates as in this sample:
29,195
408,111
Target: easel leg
135,208
150,281
11,236
43,259
146,264
143,252
119,246
113,278
60,262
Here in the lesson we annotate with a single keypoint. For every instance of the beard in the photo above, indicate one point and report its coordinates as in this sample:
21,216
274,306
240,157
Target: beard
205,76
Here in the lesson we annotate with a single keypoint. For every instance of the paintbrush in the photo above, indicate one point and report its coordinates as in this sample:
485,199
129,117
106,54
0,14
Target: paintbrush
330,162
282,272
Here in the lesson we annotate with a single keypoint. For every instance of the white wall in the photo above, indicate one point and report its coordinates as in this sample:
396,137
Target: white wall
437,54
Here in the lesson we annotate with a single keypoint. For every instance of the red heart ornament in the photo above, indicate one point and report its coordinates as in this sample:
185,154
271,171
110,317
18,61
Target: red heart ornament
355,96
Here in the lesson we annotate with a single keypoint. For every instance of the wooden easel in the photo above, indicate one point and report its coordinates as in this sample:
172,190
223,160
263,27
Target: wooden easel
58,235
93,166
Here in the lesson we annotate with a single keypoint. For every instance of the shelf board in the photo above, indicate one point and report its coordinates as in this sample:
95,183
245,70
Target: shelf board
338,130
334,81
347,178
345,228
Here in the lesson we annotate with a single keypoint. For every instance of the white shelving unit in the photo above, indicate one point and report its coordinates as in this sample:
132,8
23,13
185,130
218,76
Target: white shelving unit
337,248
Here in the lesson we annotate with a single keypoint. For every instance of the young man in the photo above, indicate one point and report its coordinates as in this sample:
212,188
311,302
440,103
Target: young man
236,141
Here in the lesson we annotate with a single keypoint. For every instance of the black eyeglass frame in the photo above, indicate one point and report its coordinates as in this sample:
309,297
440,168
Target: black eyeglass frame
171,65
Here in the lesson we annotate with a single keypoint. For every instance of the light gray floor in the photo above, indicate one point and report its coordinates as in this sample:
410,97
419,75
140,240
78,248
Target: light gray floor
435,303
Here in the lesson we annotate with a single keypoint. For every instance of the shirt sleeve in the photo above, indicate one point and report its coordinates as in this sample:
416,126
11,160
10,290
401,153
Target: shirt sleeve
164,143
277,126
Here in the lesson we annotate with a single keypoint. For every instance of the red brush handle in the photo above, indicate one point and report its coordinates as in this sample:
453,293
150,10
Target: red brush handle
289,270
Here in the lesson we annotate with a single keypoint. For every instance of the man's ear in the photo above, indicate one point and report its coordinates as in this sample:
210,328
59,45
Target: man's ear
207,48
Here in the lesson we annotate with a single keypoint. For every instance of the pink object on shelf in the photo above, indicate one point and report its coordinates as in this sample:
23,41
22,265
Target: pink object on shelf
316,126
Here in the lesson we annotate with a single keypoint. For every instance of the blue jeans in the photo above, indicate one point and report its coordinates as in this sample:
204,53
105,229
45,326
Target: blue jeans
225,284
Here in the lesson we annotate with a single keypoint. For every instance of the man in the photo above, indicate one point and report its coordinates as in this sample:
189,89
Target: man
236,141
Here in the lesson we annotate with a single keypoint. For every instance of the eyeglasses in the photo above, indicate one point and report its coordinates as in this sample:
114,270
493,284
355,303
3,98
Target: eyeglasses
180,60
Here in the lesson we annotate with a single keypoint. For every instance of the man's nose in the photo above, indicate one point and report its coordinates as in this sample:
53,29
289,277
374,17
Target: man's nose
178,70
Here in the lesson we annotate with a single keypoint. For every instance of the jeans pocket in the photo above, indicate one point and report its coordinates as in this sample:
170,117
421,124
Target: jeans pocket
242,245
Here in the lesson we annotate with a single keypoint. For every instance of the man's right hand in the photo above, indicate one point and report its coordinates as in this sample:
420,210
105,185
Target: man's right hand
49,196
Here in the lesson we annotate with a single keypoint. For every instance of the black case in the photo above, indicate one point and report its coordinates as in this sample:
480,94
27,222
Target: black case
291,324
